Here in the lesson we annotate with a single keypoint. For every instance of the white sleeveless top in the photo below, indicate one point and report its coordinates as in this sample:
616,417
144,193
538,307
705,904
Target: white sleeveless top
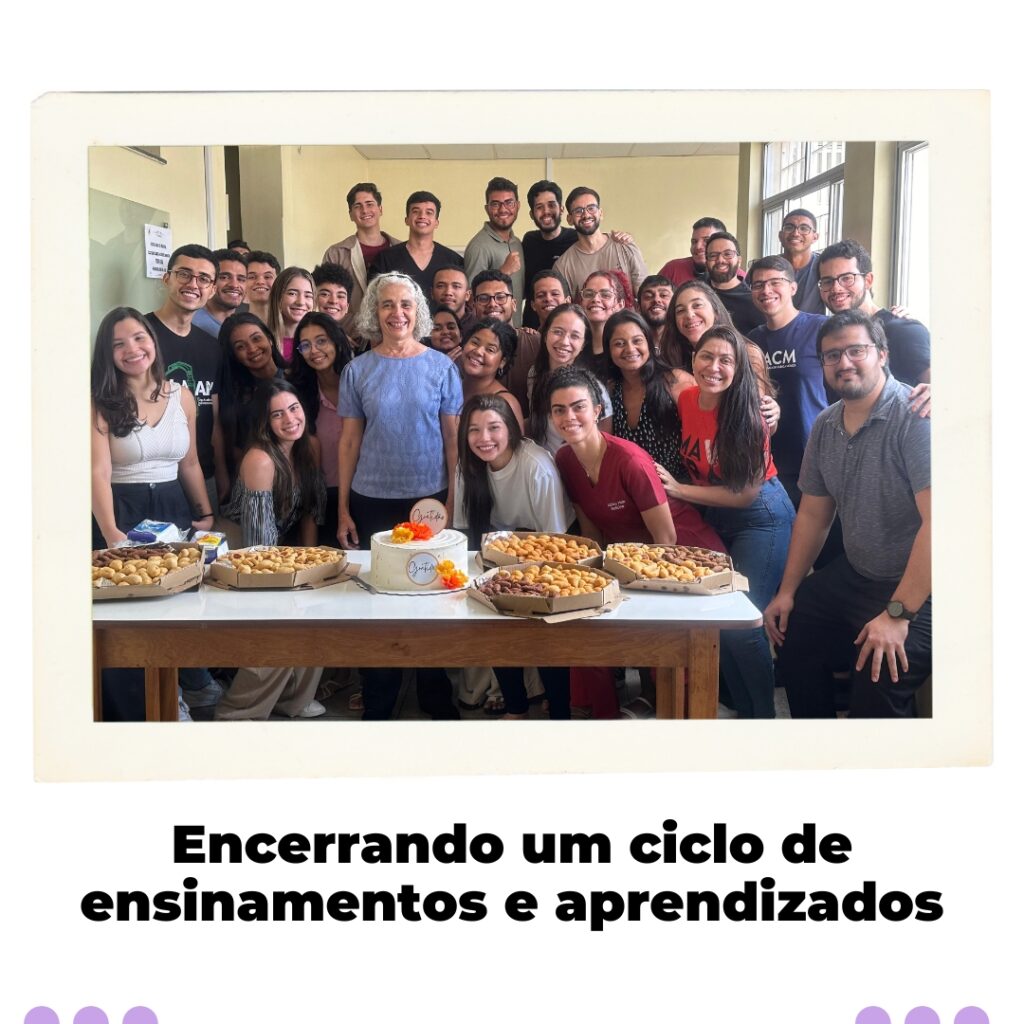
150,455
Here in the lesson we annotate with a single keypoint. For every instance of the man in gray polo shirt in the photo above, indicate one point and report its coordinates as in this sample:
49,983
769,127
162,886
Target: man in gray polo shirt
495,246
868,458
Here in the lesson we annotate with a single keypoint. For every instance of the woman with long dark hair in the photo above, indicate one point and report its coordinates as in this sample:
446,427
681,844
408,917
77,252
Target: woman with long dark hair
321,353
725,447
643,389
695,309
565,335
506,482
249,357
279,495
487,356
278,499
144,462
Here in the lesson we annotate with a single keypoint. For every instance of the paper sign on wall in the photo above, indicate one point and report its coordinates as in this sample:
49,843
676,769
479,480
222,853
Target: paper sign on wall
158,250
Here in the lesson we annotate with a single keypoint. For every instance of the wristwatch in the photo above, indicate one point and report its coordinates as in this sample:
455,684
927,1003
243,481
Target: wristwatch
897,611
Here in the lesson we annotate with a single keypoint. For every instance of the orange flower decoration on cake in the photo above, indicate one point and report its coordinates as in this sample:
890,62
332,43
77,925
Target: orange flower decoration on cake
405,532
451,578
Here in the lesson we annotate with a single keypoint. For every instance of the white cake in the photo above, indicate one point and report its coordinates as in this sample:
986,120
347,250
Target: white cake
413,565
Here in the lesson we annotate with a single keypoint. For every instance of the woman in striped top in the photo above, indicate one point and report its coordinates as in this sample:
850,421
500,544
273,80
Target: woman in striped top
279,495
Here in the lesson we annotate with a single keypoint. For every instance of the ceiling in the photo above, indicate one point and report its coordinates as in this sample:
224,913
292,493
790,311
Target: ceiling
541,151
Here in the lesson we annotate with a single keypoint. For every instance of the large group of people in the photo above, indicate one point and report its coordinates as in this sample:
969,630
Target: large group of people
546,383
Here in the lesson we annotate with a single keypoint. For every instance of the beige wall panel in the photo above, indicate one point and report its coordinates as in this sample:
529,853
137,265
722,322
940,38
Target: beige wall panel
259,173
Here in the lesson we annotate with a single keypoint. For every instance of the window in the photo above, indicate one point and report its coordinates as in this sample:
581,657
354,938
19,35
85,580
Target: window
910,258
807,175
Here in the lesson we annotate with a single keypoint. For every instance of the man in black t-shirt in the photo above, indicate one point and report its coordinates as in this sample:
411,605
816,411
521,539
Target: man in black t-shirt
722,254
845,283
542,247
191,357
420,257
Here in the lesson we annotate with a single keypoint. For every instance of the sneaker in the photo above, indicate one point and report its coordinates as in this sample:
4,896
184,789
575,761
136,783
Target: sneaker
183,712
314,709
206,697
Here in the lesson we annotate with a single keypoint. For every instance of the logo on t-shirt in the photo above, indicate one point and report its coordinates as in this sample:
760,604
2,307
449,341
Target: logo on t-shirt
616,506
782,358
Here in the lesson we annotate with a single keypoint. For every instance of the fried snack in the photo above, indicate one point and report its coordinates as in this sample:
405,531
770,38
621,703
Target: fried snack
543,581
142,565
668,562
537,547
278,559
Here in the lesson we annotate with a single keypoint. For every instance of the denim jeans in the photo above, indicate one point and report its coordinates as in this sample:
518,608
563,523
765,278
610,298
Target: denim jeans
757,538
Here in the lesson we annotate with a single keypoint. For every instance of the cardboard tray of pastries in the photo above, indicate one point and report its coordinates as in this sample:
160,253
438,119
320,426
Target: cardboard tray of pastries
278,568
673,568
145,570
512,547
539,589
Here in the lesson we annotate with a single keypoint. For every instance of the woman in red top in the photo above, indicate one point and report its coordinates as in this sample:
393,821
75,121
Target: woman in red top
613,483
726,452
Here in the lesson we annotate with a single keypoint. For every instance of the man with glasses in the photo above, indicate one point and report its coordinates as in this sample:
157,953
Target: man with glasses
420,257
228,291
722,254
694,267
798,235
788,338
845,283
492,297
357,252
191,357
595,249
495,246
868,458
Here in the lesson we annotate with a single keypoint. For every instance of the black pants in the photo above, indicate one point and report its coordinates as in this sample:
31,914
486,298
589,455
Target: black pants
832,606
513,689
833,546
374,515
164,502
382,685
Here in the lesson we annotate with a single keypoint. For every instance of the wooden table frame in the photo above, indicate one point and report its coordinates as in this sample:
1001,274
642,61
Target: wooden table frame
686,660
337,627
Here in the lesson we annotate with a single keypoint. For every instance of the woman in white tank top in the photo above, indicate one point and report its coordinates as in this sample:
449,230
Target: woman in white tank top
144,462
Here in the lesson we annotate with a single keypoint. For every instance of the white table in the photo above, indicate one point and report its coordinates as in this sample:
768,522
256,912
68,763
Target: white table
344,625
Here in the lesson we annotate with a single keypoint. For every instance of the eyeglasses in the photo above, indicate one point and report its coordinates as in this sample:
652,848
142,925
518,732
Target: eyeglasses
774,282
578,211
319,343
604,293
846,280
187,277
797,229
498,297
729,255
499,204
856,353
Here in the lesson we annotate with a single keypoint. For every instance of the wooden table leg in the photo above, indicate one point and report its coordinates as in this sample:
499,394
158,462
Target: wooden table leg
701,693
161,694
669,698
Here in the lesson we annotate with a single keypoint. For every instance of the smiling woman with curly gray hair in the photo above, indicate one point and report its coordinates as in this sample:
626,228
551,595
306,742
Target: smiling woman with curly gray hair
368,324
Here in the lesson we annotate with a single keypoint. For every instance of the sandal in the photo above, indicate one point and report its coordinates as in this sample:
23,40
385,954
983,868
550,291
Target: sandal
470,707
639,707
494,706
355,702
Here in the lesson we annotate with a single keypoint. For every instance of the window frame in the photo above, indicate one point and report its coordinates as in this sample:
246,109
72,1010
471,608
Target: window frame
902,213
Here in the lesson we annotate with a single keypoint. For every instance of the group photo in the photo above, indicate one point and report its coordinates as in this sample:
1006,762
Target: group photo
643,352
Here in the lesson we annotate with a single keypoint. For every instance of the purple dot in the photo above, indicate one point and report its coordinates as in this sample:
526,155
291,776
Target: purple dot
922,1015
971,1015
872,1015
41,1015
90,1015
140,1015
